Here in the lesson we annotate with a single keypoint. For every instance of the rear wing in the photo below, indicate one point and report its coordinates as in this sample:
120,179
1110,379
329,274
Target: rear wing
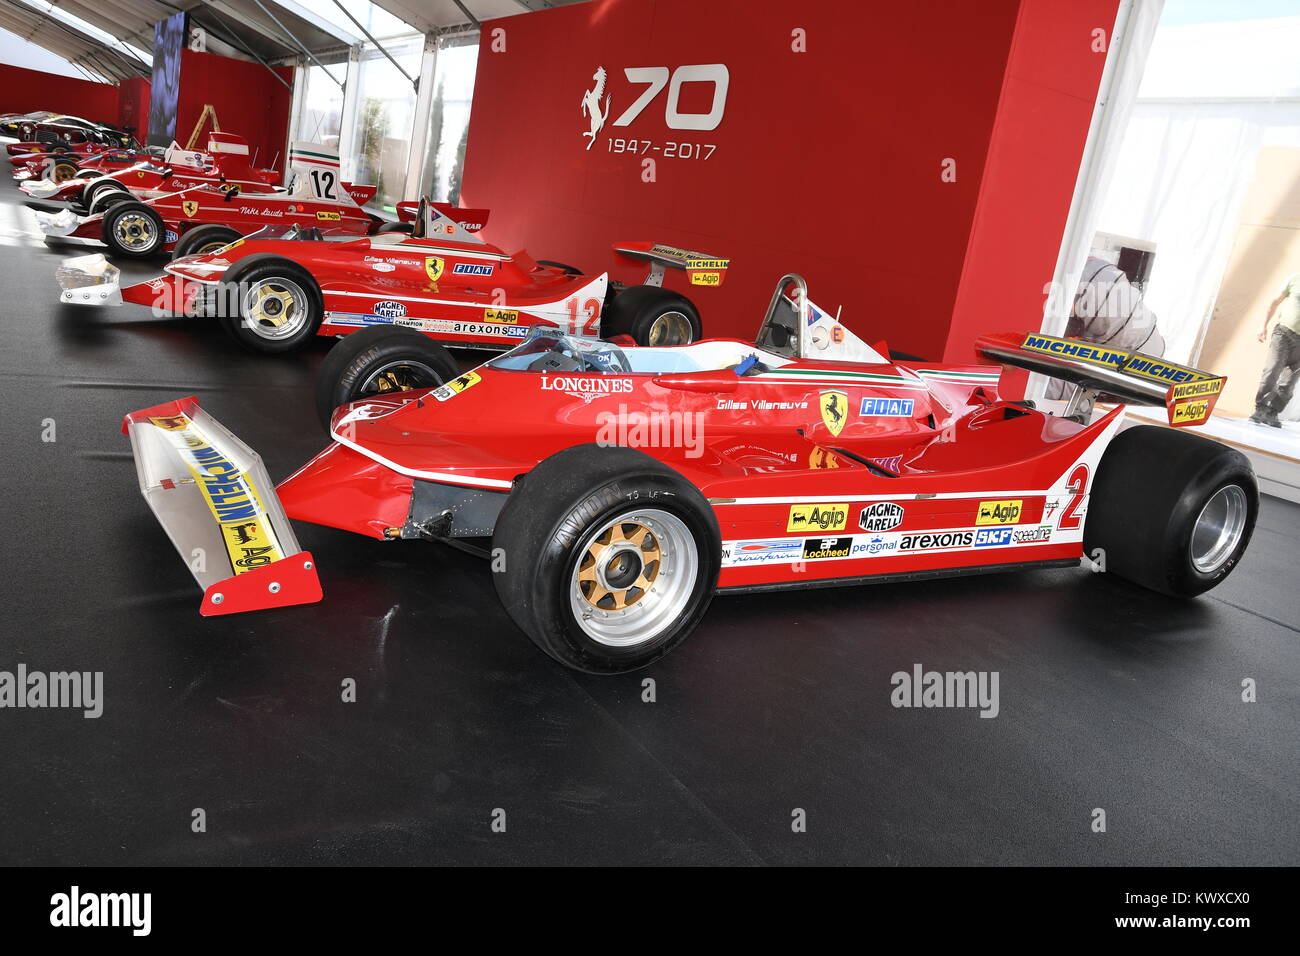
471,220
700,267
213,497
1188,394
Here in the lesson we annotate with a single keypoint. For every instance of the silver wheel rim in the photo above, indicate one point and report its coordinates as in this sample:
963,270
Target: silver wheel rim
275,309
136,231
1218,528
633,578
671,328
397,377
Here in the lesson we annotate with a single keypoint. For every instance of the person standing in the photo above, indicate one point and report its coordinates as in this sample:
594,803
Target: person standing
1282,368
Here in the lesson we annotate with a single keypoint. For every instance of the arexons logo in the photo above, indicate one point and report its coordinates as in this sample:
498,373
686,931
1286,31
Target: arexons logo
937,540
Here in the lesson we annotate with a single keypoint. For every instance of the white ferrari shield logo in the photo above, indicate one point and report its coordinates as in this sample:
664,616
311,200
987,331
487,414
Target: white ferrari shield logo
834,405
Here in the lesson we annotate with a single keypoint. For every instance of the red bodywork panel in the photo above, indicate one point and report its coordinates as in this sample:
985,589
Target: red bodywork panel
913,469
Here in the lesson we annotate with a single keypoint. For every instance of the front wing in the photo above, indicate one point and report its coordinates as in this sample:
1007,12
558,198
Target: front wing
215,500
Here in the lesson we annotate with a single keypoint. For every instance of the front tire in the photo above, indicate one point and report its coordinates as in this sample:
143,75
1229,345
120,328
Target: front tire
1171,511
62,170
380,360
652,316
98,188
203,240
133,230
277,307
611,558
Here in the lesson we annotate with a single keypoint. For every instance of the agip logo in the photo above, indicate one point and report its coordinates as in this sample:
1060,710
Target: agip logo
832,517
999,512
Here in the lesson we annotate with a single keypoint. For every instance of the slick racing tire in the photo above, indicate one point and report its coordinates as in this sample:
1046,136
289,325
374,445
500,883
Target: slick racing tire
564,267
610,558
406,227
132,229
204,240
1170,511
272,306
100,186
62,170
378,361
652,316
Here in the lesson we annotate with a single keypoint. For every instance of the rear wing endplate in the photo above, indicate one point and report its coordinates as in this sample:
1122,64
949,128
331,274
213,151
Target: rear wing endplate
700,267
213,497
1188,394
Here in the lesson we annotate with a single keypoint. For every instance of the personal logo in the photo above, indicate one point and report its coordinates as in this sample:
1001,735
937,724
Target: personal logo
390,309
886,408
832,517
433,266
592,108
881,516
834,406
456,386
999,512
190,207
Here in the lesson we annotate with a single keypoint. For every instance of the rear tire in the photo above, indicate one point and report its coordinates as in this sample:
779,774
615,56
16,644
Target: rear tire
406,227
380,360
652,316
133,230
611,558
204,240
278,306
1171,511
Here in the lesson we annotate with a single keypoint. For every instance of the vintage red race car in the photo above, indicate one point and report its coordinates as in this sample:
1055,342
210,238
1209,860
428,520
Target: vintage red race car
64,163
226,163
197,220
274,290
617,489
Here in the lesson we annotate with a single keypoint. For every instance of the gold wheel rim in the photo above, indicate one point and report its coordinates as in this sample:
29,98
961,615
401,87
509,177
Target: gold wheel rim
619,567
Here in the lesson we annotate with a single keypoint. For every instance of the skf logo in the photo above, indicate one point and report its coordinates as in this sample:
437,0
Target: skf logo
500,315
433,268
834,406
190,206
329,216
822,517
999,512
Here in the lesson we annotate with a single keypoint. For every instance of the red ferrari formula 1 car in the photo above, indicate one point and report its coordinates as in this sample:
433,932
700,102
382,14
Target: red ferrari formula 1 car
619,488
274,294
197,220
226,163
63,163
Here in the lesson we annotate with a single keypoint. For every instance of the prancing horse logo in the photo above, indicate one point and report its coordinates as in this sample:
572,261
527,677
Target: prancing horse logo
591,105
833,405
189,207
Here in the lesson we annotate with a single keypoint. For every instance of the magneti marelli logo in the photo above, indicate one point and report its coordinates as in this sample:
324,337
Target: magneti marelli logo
645,140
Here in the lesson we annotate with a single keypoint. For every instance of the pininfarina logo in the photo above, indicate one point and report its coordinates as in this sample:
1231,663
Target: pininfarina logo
591,107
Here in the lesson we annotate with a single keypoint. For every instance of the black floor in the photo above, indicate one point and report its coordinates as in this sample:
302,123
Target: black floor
1111,697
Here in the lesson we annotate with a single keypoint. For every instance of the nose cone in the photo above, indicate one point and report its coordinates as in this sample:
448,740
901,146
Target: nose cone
340,488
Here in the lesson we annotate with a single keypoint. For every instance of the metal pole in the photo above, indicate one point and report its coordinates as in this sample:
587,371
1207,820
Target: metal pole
415,83
301,45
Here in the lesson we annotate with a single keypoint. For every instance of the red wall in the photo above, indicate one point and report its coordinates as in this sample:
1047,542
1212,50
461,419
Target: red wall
249,102
827,163
26,91
1038,138
133,106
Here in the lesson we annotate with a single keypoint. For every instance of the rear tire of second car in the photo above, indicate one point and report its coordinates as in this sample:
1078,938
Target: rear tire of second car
652,316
